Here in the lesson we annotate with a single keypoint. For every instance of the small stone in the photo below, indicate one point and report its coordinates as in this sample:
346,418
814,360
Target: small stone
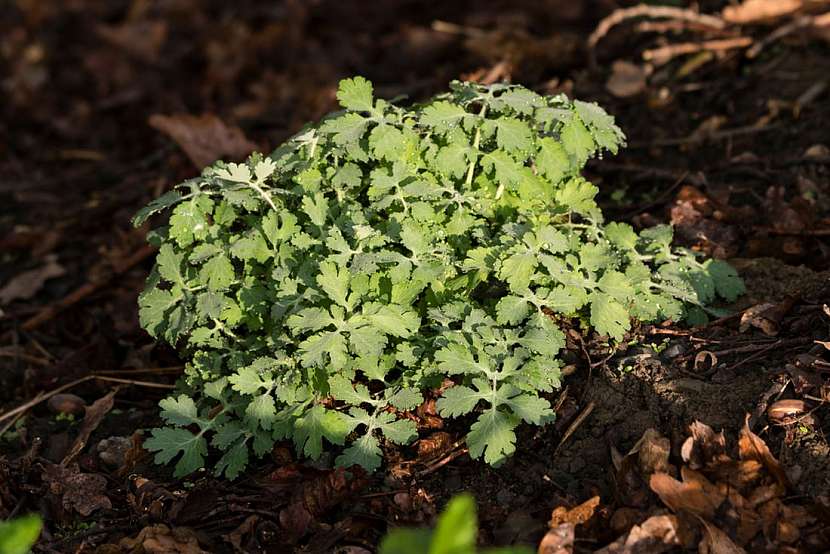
67,404
403,501
674,350
113,450
817,151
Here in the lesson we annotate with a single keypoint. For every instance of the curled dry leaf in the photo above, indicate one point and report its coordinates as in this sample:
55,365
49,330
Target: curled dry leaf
692,496
313,498
435,445
785,411
558,540
575,516
238,535
204,138
94,415
653,451
766,317
660,533
81,492
161,539
751,447
703,447
716,541
25,285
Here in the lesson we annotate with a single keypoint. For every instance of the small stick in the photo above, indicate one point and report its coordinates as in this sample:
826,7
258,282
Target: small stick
43,397
583,415
85,290
664,54
643,10
441,463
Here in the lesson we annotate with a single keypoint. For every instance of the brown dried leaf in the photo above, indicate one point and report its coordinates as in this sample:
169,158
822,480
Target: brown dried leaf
94,415
204,138
25,285
313,498
704,447
160,539
751,447
435,445
716,541
689,497
766,317
657,534
82,492
653,451
786,410
558,540
575,516
246,528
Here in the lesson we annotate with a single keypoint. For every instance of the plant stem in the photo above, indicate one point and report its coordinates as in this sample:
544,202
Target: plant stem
476,142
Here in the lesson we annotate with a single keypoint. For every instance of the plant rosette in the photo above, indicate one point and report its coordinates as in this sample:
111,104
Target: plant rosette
317,292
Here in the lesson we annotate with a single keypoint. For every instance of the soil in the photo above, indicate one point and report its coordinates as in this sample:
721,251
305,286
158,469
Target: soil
733,152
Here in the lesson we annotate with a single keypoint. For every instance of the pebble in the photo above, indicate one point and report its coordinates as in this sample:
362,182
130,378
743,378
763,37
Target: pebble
113,450
67,404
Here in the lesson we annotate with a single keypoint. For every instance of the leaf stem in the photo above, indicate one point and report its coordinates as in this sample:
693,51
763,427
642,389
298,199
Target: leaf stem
476,142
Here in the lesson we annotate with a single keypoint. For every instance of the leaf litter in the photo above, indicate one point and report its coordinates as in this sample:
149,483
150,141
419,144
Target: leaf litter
765,192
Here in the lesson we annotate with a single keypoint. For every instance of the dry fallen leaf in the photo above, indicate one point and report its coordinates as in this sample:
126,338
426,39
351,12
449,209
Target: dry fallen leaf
627,79
92,419
752,447
685,497
204,138
160,539
766,317
754,11
716,541
786,410
25,285
653,451
558,540
660,533
703,447
82,492
575,516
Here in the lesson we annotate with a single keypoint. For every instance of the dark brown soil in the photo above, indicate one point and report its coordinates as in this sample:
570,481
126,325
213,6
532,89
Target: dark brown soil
733,153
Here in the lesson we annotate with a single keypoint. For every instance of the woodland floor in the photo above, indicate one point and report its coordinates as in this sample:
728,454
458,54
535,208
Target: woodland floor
729,145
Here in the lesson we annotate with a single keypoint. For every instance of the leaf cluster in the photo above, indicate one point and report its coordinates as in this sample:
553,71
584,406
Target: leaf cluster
318,292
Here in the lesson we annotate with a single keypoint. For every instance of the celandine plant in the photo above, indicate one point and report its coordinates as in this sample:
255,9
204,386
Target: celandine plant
318,291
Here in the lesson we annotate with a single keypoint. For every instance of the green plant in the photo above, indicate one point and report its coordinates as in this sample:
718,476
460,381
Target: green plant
455,533
17,536
316,292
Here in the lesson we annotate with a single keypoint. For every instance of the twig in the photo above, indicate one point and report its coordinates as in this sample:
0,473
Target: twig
25,357
43,397
85,290
787,29
643,10
444,461
583,415
803,233
664,54
717,135
143,370
762,346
